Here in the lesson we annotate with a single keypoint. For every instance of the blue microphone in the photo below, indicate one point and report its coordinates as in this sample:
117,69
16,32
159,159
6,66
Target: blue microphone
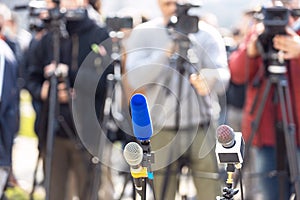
141,122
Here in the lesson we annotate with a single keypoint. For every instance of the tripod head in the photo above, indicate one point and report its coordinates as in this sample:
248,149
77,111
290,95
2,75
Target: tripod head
117,27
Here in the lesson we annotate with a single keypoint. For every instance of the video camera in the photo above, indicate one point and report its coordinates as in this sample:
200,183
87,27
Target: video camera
182,21
275,20
117,23
37,7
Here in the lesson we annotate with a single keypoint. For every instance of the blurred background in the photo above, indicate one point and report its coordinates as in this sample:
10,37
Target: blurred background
226,11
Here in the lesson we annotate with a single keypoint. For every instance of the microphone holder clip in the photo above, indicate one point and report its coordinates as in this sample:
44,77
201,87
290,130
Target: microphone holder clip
148,157
148,160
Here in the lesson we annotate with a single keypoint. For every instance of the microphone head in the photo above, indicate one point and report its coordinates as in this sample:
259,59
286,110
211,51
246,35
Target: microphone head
133,153
141,122
225,135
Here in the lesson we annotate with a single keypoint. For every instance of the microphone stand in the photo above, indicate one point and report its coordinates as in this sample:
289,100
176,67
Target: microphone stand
58,29
229,191
148,159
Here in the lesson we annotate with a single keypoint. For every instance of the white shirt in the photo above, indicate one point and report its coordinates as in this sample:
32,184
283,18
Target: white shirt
147,65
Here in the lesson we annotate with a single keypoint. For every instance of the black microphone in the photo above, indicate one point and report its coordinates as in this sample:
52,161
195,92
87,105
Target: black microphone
133,154
230,145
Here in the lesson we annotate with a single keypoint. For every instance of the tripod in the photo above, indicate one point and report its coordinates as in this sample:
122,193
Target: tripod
182,62
58,29
112,110
178,62
278,79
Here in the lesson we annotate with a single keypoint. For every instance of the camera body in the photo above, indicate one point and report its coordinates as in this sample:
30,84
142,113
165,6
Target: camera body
182,21
275,20
118,23
37,7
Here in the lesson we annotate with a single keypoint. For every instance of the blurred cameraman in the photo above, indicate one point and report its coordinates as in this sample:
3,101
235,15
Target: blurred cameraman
180,130
246,65
69,156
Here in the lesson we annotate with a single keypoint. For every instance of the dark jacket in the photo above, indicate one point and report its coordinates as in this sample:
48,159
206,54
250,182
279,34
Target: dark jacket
9,107
83,34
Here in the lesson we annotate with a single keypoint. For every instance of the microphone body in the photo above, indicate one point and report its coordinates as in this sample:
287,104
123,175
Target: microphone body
133,154
230,145
141,121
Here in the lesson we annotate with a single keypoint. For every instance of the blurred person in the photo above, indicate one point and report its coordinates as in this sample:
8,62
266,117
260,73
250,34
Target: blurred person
38,30
9,107
94,12
180,122
69,155
16,37
235,98
235,94
246,65
8,30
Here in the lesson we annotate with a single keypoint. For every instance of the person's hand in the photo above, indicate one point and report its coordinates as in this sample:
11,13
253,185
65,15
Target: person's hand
172,48
201,84
45,90
62,90
288,45
252,50
62,93
60,71
49,70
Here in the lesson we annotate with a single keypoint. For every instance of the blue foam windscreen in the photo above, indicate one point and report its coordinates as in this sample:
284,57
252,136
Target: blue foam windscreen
141,121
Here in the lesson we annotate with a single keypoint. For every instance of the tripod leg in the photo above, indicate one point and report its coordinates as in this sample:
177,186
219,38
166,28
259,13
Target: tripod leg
255,124
127,179
289,134
165,183
50,134
280,152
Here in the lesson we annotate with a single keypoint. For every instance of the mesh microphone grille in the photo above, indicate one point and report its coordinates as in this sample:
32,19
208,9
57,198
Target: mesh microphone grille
225,135
133,153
